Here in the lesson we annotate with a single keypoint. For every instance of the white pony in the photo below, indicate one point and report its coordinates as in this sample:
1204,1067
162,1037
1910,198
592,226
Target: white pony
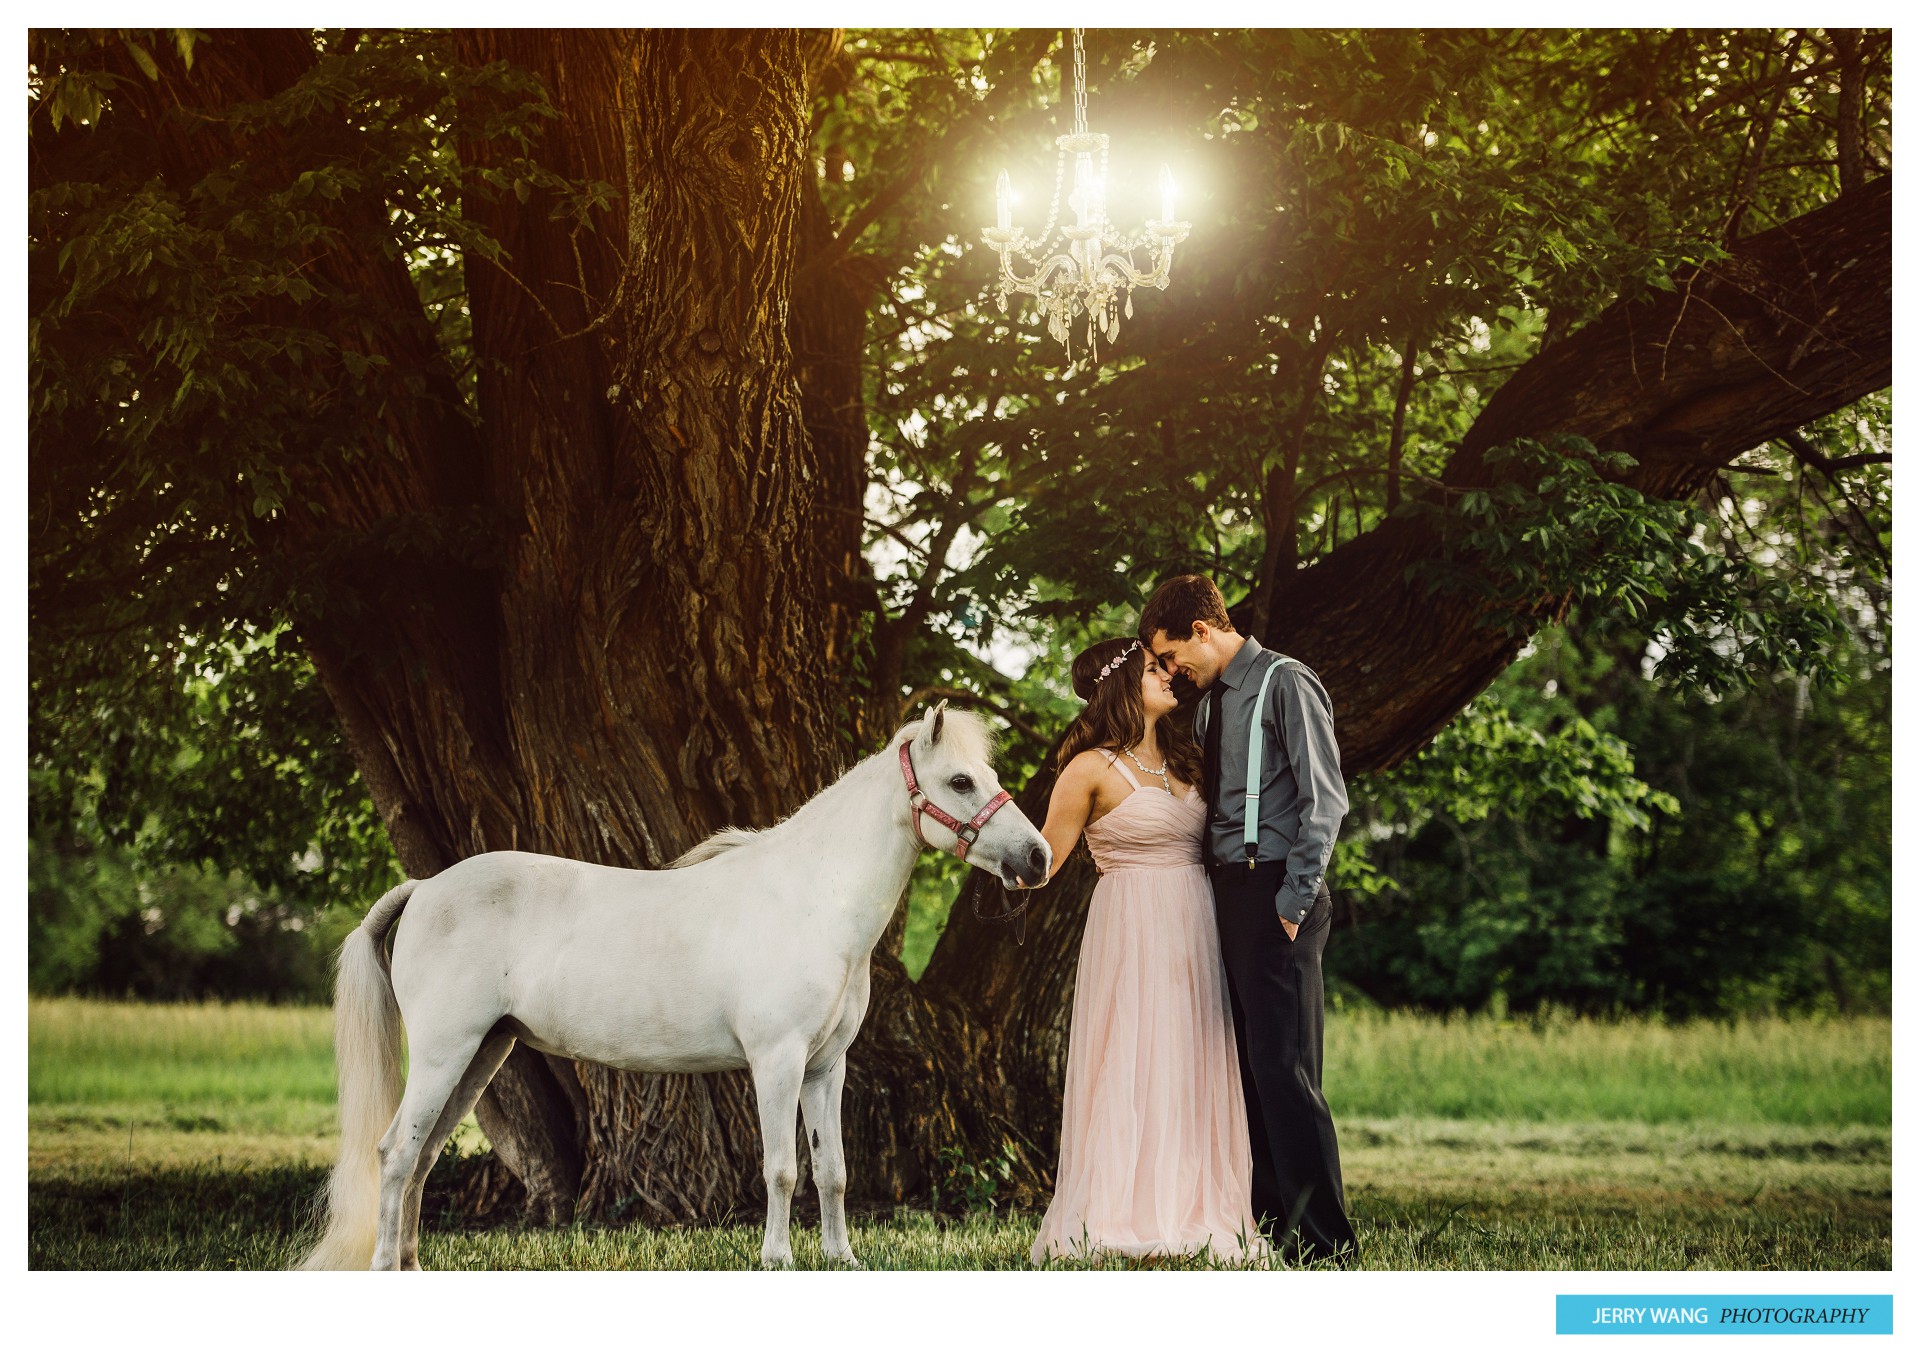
752,951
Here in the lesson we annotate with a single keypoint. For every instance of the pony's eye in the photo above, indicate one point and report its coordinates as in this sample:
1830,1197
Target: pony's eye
960,783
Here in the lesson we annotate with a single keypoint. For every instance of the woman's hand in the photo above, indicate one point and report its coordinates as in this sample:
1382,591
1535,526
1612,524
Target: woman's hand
1069,807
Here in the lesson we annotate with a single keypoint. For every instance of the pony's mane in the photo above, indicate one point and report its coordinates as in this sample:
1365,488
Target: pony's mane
969,734
723,839
971,737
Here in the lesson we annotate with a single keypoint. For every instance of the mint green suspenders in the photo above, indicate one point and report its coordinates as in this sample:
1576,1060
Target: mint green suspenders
1255,735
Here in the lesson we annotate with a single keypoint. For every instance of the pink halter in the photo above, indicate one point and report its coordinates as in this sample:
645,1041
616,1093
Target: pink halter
967,832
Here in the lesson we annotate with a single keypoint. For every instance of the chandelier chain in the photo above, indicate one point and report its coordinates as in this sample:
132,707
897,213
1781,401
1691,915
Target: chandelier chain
1079,82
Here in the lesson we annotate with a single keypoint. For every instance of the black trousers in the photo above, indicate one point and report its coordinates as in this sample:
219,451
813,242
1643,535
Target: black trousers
1280,1020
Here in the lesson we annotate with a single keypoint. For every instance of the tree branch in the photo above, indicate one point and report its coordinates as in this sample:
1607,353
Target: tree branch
876,207
1795,324
1807,453
1397,437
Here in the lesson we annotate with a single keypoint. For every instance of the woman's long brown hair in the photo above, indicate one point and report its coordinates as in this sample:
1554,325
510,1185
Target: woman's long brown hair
1115,717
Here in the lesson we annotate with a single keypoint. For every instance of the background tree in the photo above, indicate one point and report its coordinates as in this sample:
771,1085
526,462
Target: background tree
613,422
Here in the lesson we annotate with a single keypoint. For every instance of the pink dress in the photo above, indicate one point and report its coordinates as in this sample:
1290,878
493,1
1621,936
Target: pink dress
1154,1156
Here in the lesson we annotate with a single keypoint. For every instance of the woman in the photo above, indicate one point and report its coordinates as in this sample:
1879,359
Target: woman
1154,1157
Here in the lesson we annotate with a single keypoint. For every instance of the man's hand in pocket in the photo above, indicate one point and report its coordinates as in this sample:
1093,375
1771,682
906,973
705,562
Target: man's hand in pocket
1293,930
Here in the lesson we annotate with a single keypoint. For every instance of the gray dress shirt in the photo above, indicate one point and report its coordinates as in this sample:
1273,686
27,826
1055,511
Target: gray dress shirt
1302,796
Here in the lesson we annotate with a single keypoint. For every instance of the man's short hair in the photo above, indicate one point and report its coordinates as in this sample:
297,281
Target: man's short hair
1178,602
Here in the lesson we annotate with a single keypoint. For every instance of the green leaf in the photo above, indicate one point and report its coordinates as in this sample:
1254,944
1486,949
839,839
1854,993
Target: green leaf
143,59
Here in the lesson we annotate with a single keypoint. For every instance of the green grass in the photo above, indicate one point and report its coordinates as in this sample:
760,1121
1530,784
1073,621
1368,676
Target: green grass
257,1063
84,1051
1800,1216
1559,1068
197,1137
149,1085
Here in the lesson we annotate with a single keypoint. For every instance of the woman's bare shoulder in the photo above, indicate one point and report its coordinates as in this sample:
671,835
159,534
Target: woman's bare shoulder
1088,764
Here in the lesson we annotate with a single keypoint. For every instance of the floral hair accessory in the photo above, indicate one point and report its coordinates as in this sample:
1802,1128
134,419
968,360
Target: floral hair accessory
1115,664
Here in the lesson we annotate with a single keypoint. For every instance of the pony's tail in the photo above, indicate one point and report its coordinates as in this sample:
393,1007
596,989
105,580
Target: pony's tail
366,1050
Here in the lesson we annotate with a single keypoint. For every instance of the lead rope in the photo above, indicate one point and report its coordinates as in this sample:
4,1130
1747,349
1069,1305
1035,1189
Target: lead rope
1014,915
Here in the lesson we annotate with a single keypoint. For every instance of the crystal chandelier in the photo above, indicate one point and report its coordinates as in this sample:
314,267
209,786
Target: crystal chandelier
1094,273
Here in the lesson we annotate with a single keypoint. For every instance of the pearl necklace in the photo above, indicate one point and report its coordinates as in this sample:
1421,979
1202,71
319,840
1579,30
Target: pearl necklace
1160,773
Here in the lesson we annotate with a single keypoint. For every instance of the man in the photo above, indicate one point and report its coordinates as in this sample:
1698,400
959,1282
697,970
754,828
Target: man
1273,915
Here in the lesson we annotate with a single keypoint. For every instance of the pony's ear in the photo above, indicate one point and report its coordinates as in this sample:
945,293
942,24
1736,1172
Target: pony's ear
939,722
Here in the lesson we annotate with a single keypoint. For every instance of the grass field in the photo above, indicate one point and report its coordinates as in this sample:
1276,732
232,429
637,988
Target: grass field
140,1086
196,1137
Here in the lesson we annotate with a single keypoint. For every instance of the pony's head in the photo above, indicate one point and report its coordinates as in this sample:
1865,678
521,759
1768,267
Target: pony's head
951,759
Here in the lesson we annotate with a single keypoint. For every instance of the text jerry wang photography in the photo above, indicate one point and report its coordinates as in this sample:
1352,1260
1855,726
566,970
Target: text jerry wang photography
1240,650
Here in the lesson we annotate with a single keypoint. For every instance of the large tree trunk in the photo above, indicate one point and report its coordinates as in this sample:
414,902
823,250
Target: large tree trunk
672,619
655,644
671,606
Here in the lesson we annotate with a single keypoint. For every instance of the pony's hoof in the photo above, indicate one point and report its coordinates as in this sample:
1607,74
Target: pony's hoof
850,1262
776,1261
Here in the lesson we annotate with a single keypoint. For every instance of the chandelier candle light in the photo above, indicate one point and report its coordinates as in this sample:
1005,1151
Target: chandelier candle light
1094,274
